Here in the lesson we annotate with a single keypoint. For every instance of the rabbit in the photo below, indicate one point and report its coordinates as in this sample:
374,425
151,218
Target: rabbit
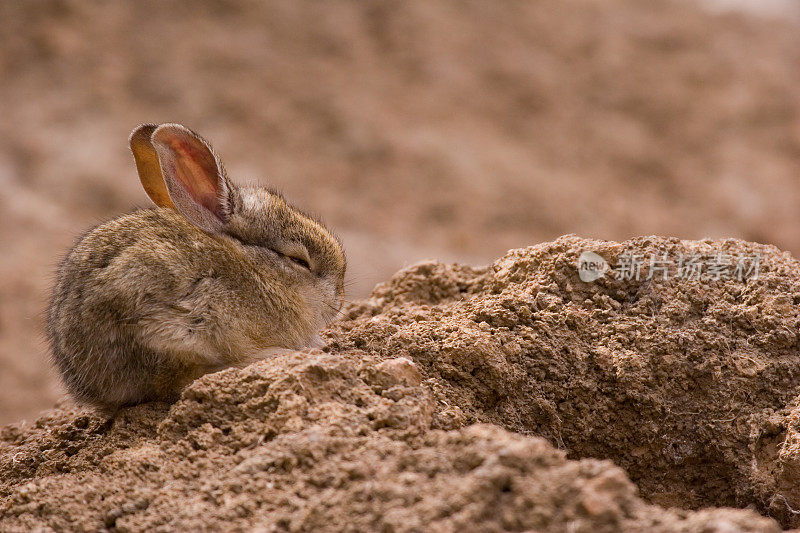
215,276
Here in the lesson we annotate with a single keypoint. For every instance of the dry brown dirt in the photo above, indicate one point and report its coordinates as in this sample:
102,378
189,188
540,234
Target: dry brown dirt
453,397
450,129
510,397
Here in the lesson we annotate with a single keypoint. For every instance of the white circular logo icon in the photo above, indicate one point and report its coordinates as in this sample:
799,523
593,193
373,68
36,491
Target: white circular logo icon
591,266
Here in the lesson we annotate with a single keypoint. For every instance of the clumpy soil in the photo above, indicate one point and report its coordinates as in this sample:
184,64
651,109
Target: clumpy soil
686,384
511,397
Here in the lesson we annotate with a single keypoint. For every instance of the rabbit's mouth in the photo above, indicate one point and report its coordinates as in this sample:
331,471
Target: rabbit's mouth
315,342
332,311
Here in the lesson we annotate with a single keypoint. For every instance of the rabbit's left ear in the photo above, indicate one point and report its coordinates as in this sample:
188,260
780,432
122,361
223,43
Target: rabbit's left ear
194,177
147,165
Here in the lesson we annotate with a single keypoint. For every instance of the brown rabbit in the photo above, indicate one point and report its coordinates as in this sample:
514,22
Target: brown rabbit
211,278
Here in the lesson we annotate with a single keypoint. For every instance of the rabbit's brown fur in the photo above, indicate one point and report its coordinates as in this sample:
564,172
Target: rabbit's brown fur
151,300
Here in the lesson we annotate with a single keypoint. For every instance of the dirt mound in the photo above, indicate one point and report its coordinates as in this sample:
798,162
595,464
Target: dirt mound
313,442
687,384
684,383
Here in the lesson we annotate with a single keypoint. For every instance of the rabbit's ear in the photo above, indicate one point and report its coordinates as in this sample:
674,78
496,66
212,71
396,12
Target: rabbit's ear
194,177
147,165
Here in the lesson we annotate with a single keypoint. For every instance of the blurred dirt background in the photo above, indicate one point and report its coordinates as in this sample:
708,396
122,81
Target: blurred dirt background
451,130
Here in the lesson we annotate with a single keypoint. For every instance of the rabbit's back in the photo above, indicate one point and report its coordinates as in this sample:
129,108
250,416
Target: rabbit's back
126,321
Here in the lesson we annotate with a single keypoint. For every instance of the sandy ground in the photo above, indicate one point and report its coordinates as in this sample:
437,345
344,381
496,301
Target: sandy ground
434,130
463,399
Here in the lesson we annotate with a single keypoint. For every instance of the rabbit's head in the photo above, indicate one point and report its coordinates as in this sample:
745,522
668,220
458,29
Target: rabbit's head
179,170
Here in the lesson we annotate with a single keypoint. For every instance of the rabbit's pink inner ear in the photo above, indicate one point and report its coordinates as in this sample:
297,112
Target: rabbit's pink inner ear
197,170
193,174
